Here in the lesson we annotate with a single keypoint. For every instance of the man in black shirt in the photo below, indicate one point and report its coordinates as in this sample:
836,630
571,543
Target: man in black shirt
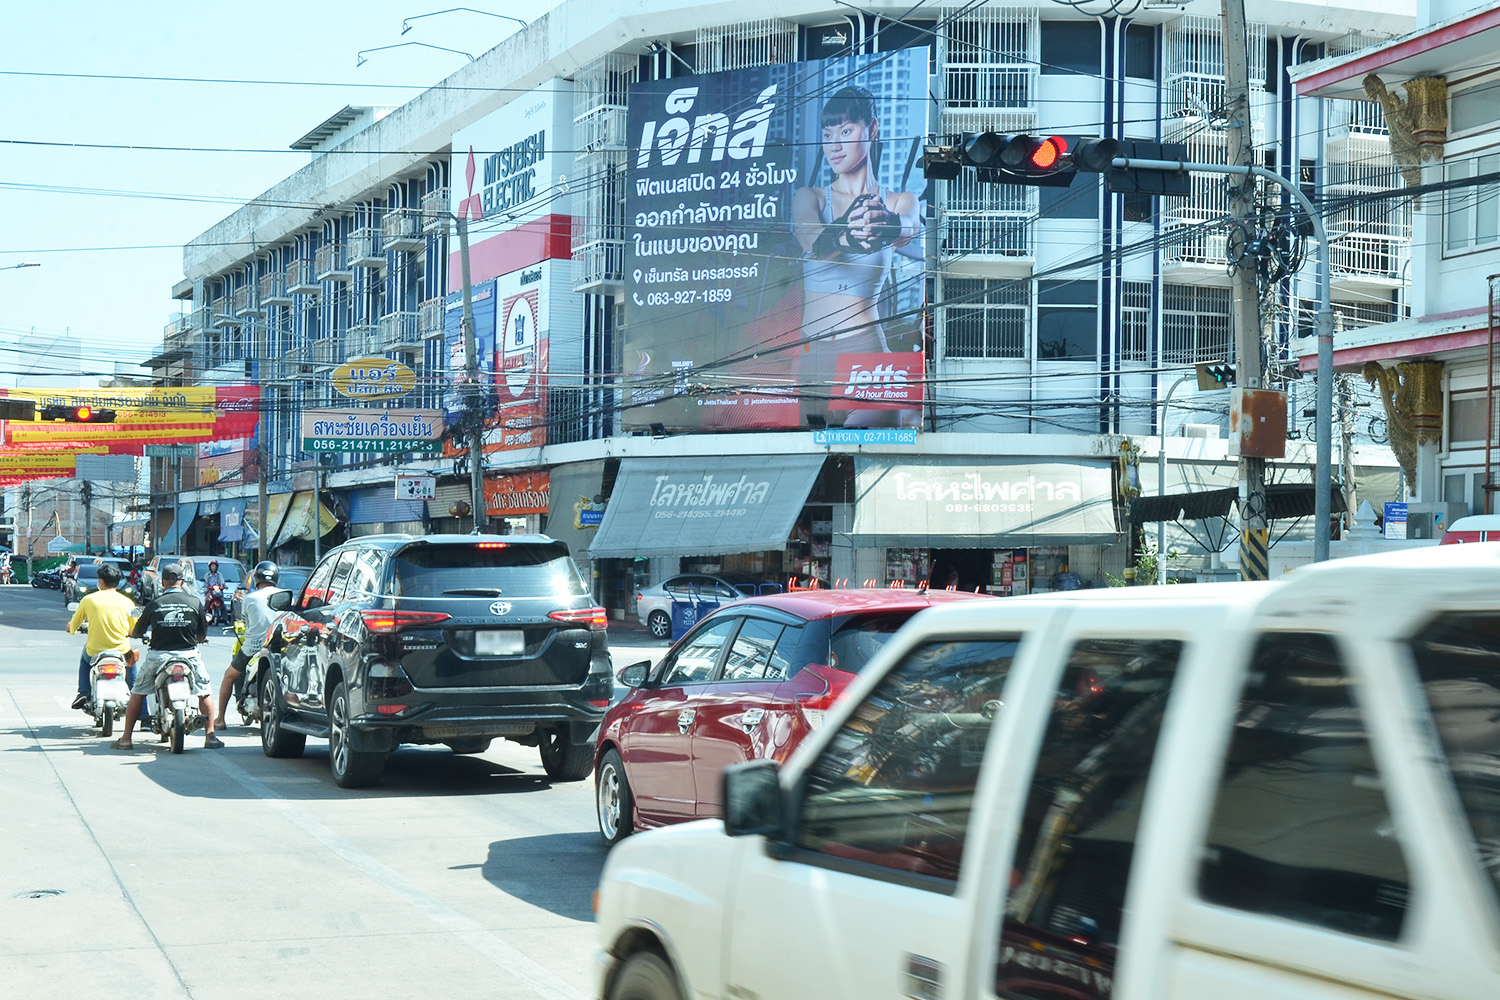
177,625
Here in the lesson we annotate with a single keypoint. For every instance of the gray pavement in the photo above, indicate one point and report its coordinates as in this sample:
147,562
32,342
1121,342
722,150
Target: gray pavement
221,874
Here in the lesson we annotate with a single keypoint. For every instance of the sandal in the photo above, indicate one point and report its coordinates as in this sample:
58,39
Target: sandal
122,744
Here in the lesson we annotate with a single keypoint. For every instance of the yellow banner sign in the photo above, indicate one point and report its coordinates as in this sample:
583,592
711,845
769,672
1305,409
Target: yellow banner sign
78,437
20,463
373,378
181,402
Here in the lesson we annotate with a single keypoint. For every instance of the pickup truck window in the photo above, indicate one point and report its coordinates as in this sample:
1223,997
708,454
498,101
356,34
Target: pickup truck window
1077,836
1458,662
1301,829
894,788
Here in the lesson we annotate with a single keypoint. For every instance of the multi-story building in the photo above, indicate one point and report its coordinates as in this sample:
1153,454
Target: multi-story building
627,328
1435,363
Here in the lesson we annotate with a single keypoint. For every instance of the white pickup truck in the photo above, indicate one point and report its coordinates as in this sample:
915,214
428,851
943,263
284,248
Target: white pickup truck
1282,790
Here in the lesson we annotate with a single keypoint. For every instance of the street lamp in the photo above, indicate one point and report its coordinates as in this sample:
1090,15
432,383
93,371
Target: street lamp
406,22
360,55
1161,482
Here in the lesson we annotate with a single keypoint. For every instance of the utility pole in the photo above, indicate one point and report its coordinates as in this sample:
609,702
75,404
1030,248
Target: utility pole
87,492
26,505
262,451
1247,333
475,408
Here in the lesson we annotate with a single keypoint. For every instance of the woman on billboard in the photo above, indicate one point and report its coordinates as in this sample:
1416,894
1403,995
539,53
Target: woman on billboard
848,231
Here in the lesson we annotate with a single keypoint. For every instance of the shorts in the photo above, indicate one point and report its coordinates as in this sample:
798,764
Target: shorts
152,662
239,661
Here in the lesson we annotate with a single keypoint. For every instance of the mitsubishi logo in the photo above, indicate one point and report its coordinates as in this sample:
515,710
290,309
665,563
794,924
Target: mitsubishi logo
500,608
471,207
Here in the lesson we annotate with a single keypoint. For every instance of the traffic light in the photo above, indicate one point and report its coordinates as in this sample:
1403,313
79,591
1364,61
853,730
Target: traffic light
1036,161
1149,180
1215,376
78,414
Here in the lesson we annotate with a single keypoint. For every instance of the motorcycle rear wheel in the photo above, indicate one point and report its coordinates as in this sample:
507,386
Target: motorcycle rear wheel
179,730
107,722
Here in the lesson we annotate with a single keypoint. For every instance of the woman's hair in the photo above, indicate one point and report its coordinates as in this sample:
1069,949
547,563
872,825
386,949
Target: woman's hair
851,104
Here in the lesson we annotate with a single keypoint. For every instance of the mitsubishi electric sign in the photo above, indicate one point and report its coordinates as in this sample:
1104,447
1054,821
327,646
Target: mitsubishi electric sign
508,180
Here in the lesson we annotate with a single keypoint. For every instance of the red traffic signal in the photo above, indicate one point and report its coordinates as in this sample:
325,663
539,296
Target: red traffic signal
78,414
1039,161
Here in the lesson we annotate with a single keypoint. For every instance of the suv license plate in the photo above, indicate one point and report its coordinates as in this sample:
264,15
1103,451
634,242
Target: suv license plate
499,642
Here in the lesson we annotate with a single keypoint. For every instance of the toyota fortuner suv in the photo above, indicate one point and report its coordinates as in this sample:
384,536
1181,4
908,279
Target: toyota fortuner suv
452,639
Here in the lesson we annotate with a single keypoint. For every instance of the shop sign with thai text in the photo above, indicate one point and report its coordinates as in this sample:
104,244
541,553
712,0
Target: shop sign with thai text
373,378
371,431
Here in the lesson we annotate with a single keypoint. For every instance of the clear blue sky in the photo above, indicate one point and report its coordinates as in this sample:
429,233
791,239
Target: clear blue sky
108,261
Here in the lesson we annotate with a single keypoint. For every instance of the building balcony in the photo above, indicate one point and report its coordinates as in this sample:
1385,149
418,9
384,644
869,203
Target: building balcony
430,317
399,331
361,340
223,312
243,302
301,278
273,290
597,264
327,352
332,263
435,216
401,229
365,248
177,335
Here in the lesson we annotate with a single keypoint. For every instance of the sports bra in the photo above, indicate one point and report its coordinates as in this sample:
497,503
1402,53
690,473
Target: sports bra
859,274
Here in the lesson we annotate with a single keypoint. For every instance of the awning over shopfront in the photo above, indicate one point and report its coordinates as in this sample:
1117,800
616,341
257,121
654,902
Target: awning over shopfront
180,523
290,517
573,513
1284,501
704,506
982,503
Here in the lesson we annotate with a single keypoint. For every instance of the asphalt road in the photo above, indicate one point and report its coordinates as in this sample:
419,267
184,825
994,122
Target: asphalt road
218,874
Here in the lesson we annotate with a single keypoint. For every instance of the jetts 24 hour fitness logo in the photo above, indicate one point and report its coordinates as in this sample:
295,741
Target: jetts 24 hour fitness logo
878,382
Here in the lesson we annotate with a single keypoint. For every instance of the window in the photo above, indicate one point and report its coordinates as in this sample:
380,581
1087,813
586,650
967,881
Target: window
479,570
1194,324
1077,837
1471,215
1473,109
1135,321
696,661
1300,826
1467,419
893,790
855,640
1140,51
1458,661
1067,320
364,578
987,319
750,653
1071,47
340,585
315,594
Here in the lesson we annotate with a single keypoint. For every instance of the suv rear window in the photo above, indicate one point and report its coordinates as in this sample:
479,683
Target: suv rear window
857,638
426,570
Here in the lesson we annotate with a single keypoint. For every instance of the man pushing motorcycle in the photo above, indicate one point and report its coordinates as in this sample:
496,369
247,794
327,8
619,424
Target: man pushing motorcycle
259,616
177,625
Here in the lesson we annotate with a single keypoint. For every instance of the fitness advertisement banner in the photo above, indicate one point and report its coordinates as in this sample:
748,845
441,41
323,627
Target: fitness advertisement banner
775,246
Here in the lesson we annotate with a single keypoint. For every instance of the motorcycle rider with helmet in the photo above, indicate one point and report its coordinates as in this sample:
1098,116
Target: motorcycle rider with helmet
177,625
213,578
256,610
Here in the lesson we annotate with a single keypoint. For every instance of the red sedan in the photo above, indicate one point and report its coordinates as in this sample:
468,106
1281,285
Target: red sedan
749,681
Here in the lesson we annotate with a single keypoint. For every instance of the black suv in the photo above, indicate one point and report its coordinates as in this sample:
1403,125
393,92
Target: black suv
453,639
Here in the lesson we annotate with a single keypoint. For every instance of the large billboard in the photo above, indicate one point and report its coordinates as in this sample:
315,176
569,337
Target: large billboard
775,253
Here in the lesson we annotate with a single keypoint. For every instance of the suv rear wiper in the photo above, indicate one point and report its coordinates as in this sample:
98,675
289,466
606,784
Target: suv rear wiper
473,592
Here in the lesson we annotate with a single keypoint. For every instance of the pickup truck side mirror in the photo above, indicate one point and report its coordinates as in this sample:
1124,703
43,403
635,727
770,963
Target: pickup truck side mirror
635,675
280,601
753,802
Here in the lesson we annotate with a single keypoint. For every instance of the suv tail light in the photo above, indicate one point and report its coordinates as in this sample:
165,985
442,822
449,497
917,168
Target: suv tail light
386,622
597,619
814,705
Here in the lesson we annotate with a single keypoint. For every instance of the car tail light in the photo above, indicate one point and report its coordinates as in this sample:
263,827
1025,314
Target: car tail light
814,705
389,709
385,622
493,545
597,619
599,702
388,680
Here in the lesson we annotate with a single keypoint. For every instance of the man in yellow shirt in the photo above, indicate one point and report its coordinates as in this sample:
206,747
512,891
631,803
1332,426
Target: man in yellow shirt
108,613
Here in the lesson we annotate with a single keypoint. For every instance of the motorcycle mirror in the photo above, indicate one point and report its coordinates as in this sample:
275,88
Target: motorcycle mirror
73,606
135,612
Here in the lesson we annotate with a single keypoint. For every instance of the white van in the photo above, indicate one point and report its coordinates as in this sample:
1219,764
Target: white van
1282,790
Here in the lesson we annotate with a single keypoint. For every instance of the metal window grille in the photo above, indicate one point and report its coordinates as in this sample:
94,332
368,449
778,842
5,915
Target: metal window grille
1194,324
599,118
986,318
990,59
767,42
1135,321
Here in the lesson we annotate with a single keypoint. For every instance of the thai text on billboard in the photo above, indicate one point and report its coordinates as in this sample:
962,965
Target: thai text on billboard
774,253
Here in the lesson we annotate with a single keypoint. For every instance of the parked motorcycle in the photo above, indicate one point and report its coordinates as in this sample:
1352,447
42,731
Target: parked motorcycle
47,579
108,691
215,606
176,708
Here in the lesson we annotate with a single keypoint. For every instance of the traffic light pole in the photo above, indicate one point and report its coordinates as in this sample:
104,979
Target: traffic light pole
1323,472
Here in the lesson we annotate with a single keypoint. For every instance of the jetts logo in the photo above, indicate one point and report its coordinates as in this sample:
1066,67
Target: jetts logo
878,382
